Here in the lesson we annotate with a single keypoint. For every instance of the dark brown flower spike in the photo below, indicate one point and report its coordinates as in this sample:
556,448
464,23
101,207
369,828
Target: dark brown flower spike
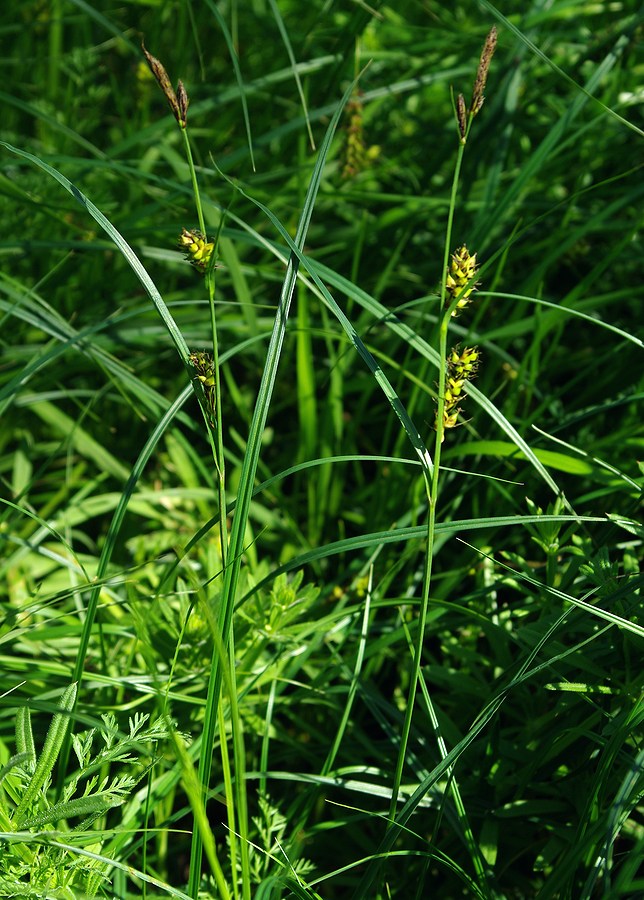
461,115
182,102
178,101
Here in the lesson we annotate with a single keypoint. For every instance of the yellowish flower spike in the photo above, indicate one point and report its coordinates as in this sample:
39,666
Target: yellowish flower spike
197,247
459,280
461,368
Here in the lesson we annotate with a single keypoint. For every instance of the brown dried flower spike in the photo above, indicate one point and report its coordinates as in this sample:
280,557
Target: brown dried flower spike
178,101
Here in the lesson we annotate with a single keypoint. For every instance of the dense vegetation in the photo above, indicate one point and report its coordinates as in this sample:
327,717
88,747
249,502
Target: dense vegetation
255,640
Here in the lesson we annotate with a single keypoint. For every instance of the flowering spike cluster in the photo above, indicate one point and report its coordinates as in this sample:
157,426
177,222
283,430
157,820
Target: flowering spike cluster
178,101
459,280
203,365
461,368
197,247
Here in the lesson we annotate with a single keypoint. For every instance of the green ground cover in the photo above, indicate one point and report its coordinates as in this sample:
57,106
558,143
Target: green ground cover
321,556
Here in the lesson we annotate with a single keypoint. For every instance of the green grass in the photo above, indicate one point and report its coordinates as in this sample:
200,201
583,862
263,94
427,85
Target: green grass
288,643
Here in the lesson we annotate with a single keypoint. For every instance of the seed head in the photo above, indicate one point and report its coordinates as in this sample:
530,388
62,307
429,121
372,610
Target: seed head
463,363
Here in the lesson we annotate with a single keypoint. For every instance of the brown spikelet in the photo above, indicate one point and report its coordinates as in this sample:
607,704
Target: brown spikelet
182,104
178,105
481,74
461,115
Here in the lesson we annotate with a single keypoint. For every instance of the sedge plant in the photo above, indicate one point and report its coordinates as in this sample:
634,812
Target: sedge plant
456,368
201,252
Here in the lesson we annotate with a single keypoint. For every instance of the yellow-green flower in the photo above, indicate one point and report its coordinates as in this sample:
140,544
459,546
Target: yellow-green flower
197,247
459,280
463,364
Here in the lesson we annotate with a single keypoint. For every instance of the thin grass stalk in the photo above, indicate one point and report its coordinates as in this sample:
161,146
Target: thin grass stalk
229,794
263,758
201,823
355,681
240,794
246,486
55,48
452,786
235,789
236,800
216,439
431,487
307,404
299,822
231,573
193,178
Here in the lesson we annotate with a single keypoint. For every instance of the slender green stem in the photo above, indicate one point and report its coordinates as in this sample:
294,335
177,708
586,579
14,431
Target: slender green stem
431,487
55,48
195,183
240,798
452,786
216,439
229,793
215,433
218,427
432,497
